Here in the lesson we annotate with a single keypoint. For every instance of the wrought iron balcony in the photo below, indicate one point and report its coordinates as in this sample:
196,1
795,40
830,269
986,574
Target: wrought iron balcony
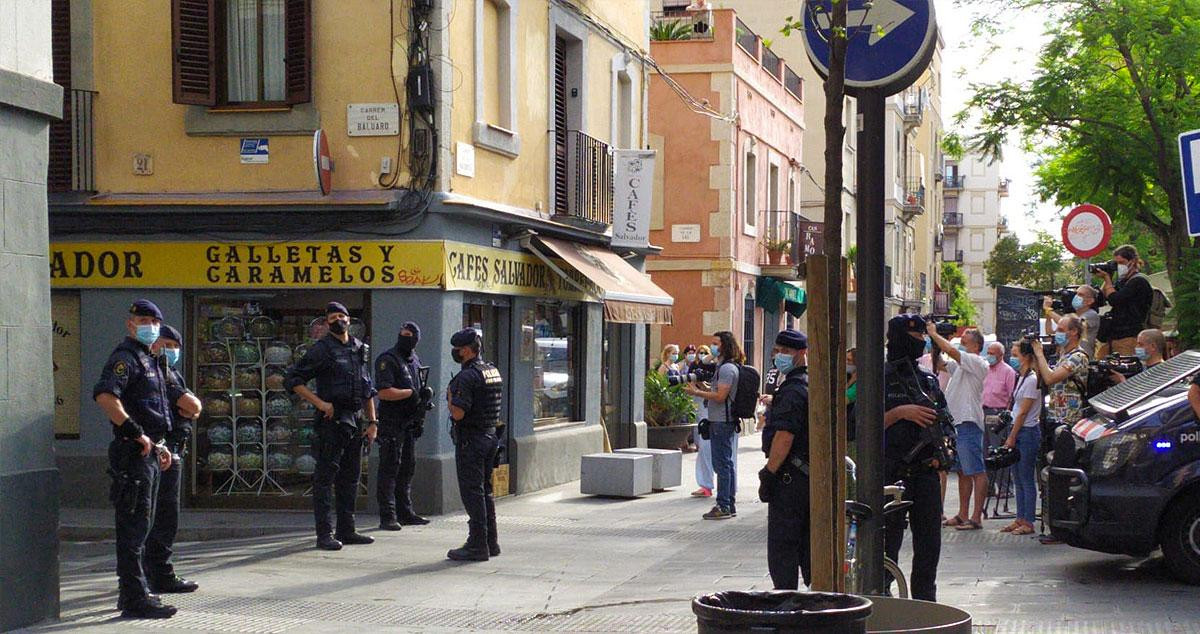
953,182
914,199
72,160
952,219
1003,189
583,178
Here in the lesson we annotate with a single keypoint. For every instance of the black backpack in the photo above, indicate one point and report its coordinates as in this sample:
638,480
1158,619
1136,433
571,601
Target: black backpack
745,400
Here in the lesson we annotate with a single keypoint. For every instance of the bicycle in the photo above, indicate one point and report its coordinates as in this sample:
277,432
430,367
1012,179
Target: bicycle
857,512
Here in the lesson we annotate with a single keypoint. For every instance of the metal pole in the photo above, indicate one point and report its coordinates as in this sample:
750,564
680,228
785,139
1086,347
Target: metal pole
870,333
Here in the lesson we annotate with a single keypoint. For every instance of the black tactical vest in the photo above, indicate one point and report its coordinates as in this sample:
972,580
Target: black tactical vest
488,395
345,382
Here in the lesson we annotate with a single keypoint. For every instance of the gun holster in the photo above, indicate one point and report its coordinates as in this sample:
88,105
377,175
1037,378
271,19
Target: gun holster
126,486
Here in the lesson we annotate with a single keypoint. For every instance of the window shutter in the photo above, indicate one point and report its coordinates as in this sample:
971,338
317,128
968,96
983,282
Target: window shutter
194,42
58,178
560,126
298,51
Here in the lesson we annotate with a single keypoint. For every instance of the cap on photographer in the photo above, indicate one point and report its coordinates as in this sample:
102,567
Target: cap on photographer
1083,304
1130,296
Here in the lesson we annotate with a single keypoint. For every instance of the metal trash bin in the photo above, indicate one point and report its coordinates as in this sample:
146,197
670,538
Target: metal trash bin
782,611
909,616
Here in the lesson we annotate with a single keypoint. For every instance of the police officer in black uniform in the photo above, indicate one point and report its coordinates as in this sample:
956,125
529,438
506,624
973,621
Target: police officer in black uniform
341,366
912,452
403,401
185,408
474,398
783,483
133,394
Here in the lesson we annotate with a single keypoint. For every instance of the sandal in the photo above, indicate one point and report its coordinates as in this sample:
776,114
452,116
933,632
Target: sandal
954,522
1023,530
969,525
1012,527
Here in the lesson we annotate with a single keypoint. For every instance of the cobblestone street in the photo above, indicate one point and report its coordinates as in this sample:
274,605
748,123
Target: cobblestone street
574,563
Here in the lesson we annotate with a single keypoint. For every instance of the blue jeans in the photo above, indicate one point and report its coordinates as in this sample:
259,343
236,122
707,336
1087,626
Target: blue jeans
723,437
1025,476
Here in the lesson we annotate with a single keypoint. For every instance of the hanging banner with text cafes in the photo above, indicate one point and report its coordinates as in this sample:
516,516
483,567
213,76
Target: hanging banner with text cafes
633,182
316,264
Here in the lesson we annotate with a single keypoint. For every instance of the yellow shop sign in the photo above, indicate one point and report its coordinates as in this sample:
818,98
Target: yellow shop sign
316,264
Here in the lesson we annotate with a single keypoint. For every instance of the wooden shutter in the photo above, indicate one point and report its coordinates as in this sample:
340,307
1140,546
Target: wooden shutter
58,178
560,126
194,43
297,60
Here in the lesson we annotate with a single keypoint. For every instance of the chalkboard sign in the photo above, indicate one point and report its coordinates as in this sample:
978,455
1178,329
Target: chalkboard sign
1017,310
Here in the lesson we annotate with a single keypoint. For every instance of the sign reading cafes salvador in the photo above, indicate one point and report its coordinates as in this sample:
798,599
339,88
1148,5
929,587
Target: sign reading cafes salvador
316,264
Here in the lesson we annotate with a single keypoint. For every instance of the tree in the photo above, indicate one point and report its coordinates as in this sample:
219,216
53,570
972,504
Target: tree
1037,265
1113,87
954,282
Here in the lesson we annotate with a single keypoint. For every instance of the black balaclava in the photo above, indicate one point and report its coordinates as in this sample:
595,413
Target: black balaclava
406,344
900,344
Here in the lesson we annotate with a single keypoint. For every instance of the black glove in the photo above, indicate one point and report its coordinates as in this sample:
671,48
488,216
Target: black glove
766,485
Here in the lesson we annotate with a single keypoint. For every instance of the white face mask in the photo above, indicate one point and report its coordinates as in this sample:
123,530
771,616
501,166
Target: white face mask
1122,270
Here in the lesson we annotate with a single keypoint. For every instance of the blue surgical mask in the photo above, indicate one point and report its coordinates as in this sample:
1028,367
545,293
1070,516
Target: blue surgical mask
1060,338
674,358
991,359
1016,365
1077,303
147,333
928,344
172,355
1141,354
691,358
784,362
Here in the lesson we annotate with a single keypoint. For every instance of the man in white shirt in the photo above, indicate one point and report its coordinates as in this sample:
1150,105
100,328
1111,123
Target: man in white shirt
964,396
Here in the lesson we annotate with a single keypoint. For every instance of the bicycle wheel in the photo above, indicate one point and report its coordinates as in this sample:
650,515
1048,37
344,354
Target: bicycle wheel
901,583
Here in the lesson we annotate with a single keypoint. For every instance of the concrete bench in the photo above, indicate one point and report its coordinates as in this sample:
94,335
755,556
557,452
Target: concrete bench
616,474
668,465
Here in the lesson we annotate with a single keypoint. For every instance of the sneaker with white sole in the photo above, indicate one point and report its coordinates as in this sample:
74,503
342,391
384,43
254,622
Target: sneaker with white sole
718,513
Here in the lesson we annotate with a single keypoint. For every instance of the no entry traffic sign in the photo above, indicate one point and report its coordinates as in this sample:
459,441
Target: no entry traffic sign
1086,230
322,162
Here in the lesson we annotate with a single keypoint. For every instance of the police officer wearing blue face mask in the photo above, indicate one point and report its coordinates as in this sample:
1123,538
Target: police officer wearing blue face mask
783,483
474,397
341,366
133,394
185,408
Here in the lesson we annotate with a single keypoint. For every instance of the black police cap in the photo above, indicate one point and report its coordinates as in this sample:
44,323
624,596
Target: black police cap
464,337
335,307
170,333
792,338
145,308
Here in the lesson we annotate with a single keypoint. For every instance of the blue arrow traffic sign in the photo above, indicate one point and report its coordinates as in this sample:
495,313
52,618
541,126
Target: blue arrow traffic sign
1189,162
890,41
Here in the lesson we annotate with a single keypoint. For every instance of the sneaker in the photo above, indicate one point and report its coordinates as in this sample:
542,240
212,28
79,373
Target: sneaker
389,525
147,608
702,492
173,584
717,513
327,542
467,554
355,538
413,520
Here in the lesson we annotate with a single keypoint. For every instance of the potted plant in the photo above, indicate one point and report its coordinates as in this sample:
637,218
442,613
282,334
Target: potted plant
670,413
777,250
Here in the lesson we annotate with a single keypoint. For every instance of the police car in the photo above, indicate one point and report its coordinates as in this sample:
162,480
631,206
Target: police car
1127,479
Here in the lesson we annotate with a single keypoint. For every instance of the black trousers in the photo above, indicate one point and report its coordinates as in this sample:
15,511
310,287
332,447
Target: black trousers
160,543
396,467
474,458
134,513
788,524
339,465
925,519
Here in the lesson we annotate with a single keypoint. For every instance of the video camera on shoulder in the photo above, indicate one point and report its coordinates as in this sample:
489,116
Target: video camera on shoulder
1062,298
944,324
701,373
1100,372
1049,348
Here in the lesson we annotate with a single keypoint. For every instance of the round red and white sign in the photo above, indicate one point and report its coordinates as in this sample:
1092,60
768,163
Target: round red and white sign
322,162
1086,230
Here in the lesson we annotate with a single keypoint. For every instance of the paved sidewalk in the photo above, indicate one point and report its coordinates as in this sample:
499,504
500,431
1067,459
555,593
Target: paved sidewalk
575,563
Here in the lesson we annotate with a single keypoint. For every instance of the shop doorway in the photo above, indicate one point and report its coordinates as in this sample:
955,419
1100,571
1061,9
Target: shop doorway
491,318
617,385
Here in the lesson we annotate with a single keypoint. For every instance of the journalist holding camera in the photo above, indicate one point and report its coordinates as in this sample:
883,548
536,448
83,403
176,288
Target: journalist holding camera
968,370
404,399
1067,380
1130,296
1151,345
1083,304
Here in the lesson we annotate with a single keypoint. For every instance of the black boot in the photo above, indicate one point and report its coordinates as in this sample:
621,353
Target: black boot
355,538
476,547
173,584
493,538
389,523
148,608
412,519
327,542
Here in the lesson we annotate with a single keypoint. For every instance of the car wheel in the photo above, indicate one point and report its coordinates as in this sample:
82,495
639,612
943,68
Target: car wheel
1181,539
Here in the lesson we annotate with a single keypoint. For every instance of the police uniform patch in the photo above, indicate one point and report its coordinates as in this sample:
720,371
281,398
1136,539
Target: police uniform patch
120,369
382,364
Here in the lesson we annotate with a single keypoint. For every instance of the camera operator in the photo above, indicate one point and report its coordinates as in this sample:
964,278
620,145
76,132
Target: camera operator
1151,345
1067,380
1083,305
1130,297
968,371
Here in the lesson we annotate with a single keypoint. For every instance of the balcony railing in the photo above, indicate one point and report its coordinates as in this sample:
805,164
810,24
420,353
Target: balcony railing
583,178
772,64
914,199
1004,188
72,160
941,302
953,181
793,82
681,25
952,219
958,256
747,39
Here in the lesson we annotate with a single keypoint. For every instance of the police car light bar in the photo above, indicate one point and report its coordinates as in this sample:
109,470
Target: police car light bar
1116,401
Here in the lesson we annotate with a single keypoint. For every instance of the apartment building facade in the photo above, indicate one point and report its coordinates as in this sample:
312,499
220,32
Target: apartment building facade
973,223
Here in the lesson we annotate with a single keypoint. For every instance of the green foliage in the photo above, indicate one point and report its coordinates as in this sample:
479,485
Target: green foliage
666,404
670,30
1116,83
1186,310
953,146
1038,265
954,282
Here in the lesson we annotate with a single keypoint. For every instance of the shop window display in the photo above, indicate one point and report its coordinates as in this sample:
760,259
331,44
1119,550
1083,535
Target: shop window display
555,367
254,438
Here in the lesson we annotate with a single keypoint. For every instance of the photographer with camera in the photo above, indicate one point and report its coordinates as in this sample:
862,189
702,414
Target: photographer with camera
720,422
705,476
1067,380
1083,304
404,399
968,371
1025,436
1131,297
1151,345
